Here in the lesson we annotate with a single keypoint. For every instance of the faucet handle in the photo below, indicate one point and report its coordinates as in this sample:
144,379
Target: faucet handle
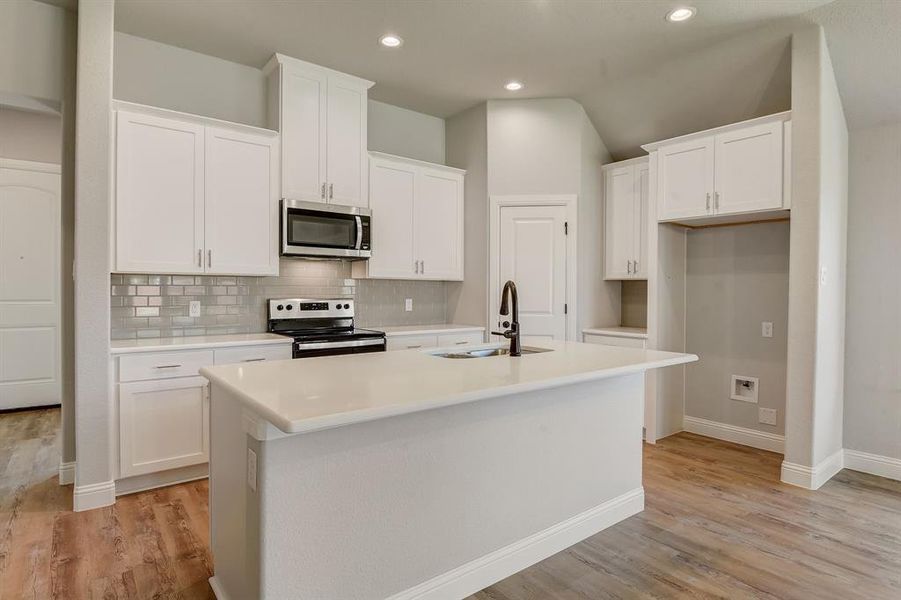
506,334
506,323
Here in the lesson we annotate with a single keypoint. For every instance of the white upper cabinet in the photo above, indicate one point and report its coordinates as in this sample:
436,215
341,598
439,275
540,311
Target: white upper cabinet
194,195
417,220
241,232
732,170
626,213
159,194
321,115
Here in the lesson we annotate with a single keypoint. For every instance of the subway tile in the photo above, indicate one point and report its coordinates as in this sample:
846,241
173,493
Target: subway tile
134,301
147,311
173,290
183,280
148,290
122,290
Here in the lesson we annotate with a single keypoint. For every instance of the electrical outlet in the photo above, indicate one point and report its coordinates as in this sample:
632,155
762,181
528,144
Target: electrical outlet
408,304
252,469
766,329
194,308
766,416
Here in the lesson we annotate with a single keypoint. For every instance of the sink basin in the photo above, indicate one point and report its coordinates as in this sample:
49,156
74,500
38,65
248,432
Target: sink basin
485,352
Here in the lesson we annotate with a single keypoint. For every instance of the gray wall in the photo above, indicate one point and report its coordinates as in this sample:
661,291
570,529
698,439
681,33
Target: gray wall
872,419
736,277
634,304
34,39
146,306
396,130
30,136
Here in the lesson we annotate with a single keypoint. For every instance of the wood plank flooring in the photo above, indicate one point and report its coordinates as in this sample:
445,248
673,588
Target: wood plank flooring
718,524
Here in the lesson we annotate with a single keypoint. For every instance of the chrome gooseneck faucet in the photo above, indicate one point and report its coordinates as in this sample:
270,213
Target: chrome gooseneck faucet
512,333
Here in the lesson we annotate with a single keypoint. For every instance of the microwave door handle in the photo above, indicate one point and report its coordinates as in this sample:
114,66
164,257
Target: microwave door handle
359,242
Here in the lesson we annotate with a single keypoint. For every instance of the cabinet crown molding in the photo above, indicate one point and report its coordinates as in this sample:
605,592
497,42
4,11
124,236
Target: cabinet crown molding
167,113
638,160
415,162
780,116
296,63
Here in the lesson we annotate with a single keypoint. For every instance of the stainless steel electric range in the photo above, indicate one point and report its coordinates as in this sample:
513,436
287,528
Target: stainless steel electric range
322,327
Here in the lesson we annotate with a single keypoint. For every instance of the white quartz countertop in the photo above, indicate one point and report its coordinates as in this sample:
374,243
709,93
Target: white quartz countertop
332,391
194,342
617,331
427,329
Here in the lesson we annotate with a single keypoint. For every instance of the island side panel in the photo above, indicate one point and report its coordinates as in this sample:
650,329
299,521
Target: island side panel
375,509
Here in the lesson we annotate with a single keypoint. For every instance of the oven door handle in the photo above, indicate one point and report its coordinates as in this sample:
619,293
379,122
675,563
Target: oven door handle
359,241
349,344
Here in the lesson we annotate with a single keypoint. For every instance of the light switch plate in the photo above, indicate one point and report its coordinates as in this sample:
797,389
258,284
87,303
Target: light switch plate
194,308
766,329
766,416
408,304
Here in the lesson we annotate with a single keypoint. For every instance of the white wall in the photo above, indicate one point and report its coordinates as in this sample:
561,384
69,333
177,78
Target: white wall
404,132
467,148
872,404
736,278
30,136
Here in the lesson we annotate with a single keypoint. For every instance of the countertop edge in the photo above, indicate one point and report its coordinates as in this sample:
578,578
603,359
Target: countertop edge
314,424
428,329
615,332
200,345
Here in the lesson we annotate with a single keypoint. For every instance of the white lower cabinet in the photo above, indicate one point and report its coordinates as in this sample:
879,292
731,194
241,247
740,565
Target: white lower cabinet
612,340
434,340
163,424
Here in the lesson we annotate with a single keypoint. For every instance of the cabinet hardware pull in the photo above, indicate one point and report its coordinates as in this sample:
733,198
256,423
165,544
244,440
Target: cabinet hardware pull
209,258
716,200
708,201
322,191
416,266
166,366
629,267
635,266
416,346
331,191
422,267
460,343
253,359
199,257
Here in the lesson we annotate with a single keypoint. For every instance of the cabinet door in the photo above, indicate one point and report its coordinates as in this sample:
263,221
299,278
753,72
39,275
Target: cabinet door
438,225
642,200
241,231
620,221
685,182
303,130
411,342
163,424
749,169
347,154
159,194
391,191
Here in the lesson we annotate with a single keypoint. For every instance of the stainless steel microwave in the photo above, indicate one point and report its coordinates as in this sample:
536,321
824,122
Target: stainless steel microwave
325,230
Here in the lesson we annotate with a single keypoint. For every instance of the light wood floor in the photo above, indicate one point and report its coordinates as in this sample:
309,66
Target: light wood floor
718,524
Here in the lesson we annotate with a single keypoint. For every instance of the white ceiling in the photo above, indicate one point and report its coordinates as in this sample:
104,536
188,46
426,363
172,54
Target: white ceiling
639,77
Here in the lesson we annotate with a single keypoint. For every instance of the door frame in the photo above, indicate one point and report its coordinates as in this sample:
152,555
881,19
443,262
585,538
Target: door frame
495,204
52,169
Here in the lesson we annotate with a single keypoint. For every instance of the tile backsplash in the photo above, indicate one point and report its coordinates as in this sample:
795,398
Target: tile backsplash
146,306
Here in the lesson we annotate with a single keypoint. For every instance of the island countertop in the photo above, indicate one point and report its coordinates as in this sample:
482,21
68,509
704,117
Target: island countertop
312,394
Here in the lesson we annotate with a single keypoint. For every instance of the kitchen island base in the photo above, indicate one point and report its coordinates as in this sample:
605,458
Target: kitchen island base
432,504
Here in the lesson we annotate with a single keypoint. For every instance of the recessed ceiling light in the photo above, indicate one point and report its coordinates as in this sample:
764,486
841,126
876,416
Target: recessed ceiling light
513,86
683,13
391,41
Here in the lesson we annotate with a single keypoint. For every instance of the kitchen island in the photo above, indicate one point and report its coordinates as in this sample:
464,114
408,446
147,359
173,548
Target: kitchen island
410,475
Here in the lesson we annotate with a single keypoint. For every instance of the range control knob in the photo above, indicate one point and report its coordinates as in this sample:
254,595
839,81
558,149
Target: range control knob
279,307
290,306
346,306
337,307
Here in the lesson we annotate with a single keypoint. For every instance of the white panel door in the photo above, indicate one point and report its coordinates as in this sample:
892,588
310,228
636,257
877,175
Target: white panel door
347,154
438,225
392,190
163,424
533,255
642,203
241,203
749,169
159,194
303,131
29,285
621,222
686,179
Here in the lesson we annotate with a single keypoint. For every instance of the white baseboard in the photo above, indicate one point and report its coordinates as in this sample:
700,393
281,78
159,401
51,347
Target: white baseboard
218,591
96,495
732,433
874,464
495,566
66,473
140,483
813,477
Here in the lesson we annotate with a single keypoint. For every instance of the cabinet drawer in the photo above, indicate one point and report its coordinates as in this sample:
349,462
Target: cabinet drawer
610,340
163,365
460,339
407,342
244,354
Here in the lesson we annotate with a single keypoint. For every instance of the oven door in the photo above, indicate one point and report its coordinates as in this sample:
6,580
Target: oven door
302,350
324,230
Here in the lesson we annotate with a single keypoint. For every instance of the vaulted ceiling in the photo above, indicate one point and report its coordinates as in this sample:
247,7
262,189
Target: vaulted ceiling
639,77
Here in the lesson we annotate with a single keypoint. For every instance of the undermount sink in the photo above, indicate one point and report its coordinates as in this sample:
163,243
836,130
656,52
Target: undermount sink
485,352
